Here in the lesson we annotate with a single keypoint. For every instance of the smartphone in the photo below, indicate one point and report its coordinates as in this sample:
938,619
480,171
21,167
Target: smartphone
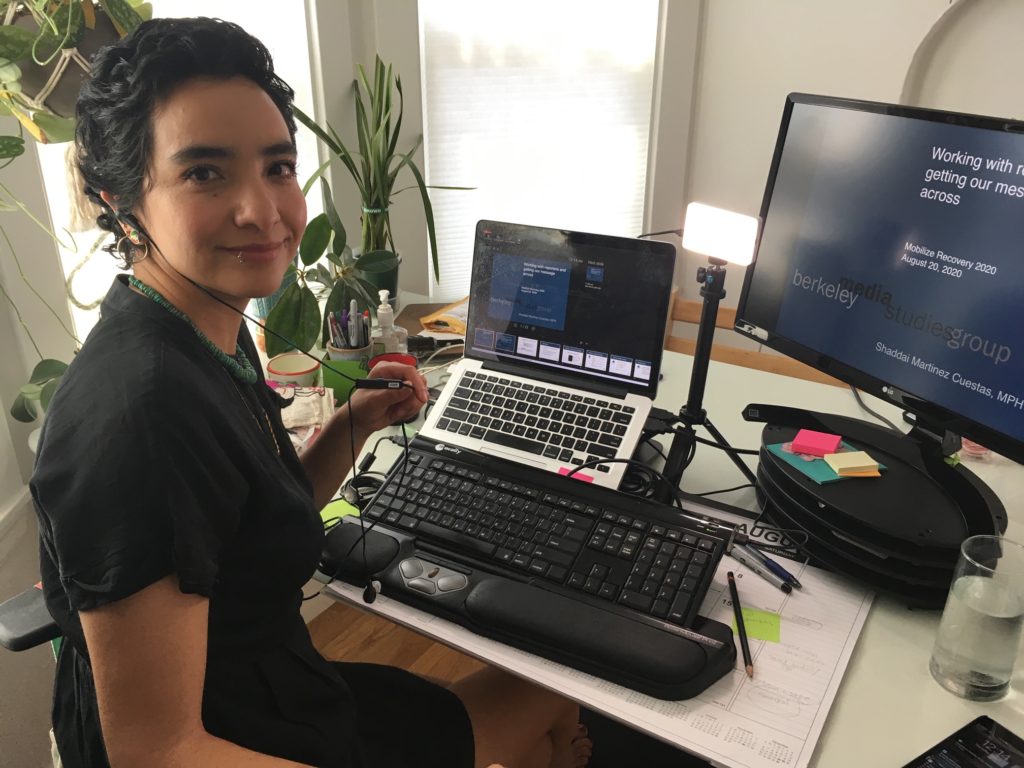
982,743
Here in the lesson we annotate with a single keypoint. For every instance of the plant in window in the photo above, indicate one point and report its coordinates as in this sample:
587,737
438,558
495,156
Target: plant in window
296,316
375,169
44,49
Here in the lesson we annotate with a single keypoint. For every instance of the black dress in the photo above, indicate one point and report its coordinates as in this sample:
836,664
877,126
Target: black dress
154,461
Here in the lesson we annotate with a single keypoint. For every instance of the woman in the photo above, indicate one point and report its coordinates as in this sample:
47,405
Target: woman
178,525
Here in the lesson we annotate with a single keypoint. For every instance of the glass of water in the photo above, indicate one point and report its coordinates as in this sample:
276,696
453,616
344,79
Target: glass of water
979,635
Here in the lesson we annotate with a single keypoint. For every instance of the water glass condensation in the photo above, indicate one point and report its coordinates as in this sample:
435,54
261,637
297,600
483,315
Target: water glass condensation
979,635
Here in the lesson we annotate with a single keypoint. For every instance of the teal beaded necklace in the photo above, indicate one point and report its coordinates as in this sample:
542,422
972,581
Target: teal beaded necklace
238,365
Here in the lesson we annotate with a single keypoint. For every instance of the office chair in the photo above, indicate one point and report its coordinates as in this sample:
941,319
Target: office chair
25,622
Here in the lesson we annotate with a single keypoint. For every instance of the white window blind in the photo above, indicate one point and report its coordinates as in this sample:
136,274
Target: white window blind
545,107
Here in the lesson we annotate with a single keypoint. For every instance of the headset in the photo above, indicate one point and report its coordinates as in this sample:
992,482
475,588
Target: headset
357,481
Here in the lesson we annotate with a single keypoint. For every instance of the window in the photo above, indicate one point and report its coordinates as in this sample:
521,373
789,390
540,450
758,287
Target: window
545,108
284,34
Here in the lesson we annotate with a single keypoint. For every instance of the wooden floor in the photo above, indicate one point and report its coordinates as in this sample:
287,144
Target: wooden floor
345,633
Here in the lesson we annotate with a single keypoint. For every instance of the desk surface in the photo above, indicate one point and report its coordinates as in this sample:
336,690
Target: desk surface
888,708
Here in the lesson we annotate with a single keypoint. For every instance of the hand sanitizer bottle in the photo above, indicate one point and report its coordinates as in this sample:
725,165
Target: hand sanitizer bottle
389,338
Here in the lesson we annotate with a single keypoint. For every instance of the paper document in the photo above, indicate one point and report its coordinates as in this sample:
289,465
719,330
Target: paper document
772,721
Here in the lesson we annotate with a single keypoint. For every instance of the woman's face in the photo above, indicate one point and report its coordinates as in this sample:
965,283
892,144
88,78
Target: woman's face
222,201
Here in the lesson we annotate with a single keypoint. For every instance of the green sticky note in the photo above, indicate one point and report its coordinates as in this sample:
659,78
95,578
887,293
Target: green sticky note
817,469
760,625
336,510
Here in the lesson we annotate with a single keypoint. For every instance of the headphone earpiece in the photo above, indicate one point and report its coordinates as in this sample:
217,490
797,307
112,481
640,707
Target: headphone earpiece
371,591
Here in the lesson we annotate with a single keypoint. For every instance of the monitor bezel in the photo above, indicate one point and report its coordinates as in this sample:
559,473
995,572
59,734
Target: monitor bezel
935,416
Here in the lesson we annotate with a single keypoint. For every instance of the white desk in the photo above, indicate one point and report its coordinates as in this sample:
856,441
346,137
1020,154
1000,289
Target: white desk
888,708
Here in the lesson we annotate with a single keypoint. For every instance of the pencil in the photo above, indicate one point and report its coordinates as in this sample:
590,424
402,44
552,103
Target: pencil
740,629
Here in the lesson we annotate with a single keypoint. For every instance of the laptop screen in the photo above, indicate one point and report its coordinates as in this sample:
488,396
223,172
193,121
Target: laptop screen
588,307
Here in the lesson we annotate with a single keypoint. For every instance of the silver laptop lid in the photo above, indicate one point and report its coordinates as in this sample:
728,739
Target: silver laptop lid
581,309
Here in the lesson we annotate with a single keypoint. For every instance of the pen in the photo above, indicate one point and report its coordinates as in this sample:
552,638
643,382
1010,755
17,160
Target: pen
353,324
773,566
745,556
741,630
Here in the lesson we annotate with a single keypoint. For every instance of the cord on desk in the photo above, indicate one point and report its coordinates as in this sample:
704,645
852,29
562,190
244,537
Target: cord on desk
726,448
657,447
877,415
353,492
724,490
423,363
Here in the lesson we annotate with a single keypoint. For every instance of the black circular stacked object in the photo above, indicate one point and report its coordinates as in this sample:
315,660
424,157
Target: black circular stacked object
900,533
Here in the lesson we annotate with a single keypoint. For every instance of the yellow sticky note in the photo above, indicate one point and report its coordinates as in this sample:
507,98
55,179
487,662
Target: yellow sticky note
760,625
850,461
336,510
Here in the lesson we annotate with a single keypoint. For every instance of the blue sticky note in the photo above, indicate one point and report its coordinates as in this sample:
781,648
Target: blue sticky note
818,470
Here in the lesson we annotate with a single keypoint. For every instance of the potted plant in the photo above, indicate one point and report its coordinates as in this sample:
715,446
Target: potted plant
45,49
375,169
296,319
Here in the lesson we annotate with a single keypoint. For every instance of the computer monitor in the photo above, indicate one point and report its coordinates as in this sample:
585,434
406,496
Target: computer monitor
891,256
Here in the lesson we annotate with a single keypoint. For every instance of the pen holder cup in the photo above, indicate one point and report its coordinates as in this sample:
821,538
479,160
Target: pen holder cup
354,363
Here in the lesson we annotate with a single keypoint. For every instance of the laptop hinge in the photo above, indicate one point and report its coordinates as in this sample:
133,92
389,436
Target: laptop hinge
594,385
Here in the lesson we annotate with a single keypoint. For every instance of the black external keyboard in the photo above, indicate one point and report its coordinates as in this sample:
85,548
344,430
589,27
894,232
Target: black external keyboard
576,538
554,423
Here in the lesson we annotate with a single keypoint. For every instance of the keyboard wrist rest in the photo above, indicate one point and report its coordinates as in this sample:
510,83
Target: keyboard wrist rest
643,657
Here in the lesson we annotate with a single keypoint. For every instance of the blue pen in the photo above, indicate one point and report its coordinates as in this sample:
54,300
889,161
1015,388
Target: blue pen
745,556
774,567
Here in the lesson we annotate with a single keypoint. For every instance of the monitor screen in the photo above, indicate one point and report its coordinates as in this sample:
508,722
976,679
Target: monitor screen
890,257
589,308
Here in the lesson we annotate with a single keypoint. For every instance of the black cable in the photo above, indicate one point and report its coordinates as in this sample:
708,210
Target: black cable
877,415
678,232
724,490
656,447
726,448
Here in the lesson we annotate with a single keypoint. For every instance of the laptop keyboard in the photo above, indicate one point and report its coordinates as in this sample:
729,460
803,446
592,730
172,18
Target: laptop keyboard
565,539
541,420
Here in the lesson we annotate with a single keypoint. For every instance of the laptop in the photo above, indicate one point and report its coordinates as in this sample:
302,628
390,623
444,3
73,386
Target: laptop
564,340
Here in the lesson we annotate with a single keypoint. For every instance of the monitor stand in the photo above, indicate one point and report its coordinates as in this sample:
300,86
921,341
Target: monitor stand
899,533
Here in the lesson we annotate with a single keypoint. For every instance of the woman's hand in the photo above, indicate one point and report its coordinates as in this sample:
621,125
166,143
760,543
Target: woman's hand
373,409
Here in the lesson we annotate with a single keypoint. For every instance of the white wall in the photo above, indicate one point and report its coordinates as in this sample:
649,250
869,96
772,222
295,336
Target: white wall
39,261
754,53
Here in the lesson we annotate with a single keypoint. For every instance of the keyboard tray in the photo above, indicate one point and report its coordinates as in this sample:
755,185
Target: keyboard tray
658,661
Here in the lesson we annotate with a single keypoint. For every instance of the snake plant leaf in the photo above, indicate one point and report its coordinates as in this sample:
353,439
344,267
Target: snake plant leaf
377,262
57,129
315,239
15,43
47,394
428,213
24,410
46,370
296,317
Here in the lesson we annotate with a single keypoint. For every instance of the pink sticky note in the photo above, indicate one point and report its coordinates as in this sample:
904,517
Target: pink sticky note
577,475
815,443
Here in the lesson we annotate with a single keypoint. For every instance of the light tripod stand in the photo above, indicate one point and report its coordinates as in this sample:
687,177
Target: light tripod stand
725,237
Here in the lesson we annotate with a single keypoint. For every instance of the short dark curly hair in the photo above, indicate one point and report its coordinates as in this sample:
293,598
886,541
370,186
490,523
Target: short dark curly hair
113,131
